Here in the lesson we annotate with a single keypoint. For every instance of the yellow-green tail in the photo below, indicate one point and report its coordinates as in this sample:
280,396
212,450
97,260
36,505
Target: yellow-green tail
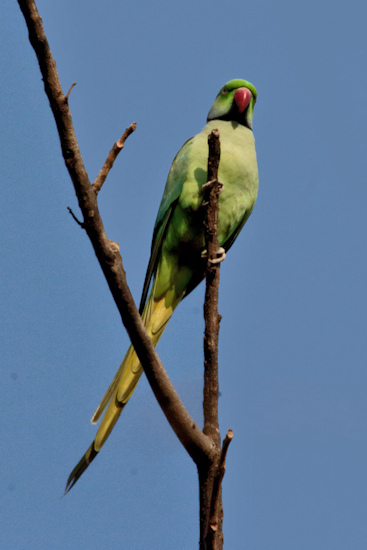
155,316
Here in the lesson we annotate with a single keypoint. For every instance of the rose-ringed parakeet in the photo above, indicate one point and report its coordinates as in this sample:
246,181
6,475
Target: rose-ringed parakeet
177,265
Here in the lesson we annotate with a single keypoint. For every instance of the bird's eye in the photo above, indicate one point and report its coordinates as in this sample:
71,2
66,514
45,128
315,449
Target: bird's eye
224,91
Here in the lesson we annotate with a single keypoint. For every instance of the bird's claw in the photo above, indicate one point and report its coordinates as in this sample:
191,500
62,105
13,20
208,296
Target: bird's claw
213,182
220,253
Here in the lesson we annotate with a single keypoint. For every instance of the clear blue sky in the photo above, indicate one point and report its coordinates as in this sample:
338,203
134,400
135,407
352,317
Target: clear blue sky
293,292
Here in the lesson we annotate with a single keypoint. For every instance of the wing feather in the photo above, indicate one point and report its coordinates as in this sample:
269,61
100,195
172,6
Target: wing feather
172,192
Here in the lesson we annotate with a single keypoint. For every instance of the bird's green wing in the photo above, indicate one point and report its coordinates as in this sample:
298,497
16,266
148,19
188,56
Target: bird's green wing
228,243
154,255
172,191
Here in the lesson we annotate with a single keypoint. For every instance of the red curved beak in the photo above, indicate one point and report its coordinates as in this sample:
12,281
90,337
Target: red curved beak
242,98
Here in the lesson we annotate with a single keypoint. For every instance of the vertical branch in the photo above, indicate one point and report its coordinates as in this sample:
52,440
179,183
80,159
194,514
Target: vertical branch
211,531
211,316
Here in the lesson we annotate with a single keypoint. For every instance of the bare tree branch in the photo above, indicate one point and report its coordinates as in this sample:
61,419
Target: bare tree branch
203,446
211,474
81,224
112,155
211,316
69,92
197,444
216,508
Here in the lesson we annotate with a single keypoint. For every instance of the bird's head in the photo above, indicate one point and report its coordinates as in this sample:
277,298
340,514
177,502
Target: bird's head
235,102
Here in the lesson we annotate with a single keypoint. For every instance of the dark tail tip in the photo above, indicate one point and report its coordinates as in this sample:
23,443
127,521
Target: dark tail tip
80,468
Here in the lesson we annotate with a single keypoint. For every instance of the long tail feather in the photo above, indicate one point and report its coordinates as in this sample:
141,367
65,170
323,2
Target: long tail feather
155,316
109,393
80,468
146,316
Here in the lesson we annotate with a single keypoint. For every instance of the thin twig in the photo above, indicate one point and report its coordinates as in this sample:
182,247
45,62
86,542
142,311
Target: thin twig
197,444
75,218
217,485
226,442
68,94
100,179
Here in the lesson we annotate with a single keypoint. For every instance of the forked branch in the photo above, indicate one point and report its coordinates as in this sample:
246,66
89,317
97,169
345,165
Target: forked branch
197,444
203,446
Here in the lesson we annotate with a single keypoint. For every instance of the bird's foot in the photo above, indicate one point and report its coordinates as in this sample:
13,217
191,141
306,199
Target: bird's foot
213,182
220,253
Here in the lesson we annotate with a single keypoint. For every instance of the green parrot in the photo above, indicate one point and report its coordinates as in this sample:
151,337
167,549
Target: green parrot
177,261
